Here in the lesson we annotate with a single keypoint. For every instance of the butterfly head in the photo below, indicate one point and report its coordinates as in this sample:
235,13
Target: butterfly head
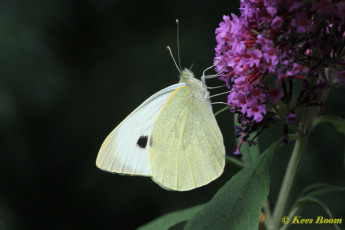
186,76
195,85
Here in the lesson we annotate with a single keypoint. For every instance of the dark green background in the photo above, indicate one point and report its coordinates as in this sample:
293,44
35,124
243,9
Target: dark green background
71,70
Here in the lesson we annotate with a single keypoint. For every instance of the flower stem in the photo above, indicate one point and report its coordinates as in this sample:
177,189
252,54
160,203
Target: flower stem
291,172
286,189
234,162
267,211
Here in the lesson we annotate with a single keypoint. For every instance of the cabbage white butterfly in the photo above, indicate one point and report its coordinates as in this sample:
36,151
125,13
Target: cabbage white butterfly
172,137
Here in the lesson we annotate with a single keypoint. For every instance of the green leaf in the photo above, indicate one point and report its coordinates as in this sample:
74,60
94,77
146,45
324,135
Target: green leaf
307,197
249,153
237,205
301,202
168,220
320,189
338,122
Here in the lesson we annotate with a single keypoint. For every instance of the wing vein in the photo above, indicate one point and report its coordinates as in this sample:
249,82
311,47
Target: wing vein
185,107
190,162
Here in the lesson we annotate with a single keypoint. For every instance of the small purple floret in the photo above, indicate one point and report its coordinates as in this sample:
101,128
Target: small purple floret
291,118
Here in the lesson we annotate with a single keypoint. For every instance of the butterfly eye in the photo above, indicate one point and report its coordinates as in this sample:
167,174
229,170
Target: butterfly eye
186,74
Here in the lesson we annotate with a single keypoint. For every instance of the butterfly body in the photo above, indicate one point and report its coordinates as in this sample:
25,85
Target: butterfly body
173,137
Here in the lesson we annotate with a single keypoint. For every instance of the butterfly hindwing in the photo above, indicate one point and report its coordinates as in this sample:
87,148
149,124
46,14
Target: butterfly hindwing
125,150
186,150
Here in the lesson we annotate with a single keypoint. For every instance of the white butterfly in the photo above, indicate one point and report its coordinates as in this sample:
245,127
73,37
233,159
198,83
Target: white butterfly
172,137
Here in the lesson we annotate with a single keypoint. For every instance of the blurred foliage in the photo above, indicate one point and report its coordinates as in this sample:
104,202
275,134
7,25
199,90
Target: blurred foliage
70,71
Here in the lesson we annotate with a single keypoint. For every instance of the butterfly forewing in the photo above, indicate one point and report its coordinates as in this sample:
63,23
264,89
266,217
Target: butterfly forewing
125,150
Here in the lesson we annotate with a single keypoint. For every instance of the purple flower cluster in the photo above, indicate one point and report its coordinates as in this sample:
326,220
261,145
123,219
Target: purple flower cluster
241,62
286,41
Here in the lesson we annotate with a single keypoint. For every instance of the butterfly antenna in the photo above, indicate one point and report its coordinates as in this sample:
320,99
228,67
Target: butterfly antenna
191,66
172,56
178,42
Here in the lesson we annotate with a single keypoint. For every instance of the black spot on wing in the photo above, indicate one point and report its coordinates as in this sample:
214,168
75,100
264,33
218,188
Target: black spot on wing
142,141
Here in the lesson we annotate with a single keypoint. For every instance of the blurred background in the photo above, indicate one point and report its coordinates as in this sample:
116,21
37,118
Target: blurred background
71,70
